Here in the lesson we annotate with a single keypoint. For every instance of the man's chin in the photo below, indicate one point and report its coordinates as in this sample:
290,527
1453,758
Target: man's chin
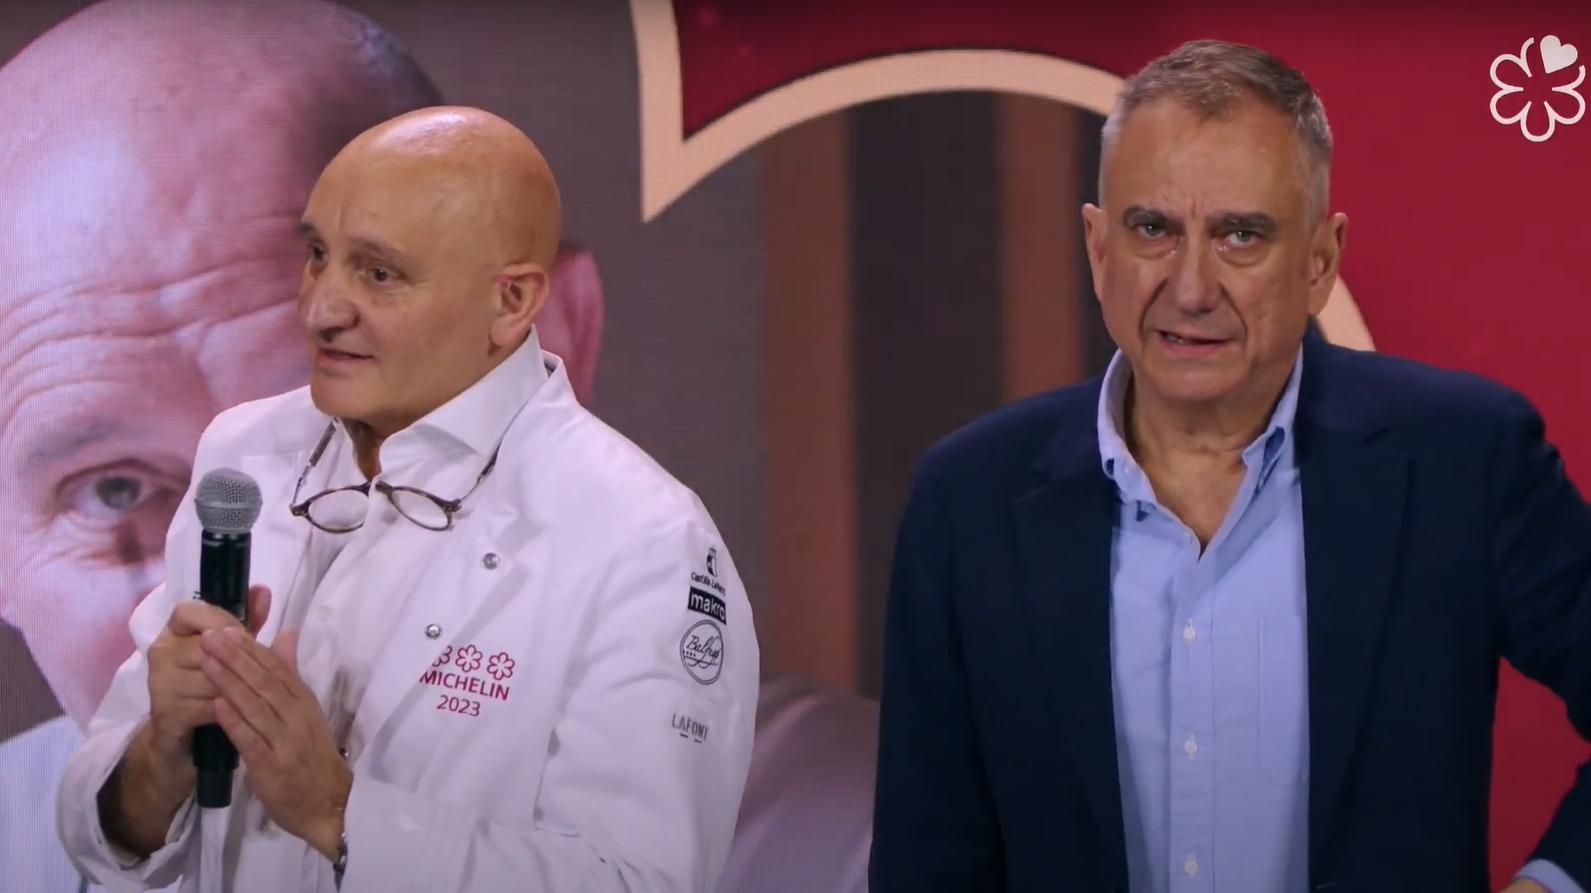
337,398
1195,386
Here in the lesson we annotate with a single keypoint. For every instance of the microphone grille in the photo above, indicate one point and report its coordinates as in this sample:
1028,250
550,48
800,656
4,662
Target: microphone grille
228,501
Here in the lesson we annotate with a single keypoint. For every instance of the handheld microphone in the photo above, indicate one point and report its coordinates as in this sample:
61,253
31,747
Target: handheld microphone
228,504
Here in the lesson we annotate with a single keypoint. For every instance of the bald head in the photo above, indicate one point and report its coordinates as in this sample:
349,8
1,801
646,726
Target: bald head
480,177
431,238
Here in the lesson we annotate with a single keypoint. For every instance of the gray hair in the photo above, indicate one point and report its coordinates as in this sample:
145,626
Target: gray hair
1210,77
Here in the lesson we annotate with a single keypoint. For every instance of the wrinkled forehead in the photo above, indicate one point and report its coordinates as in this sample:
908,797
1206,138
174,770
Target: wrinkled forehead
1171,157
419,205
108,209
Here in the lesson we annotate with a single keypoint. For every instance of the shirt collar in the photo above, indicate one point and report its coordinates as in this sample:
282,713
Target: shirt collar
479,415
1270,447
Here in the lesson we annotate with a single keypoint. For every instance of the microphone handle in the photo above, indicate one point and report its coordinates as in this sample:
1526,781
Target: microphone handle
223,582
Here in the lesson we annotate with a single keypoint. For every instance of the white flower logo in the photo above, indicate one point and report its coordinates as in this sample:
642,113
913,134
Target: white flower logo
1555,57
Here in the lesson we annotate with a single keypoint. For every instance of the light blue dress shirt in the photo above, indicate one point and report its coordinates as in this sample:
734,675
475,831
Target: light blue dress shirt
1210,674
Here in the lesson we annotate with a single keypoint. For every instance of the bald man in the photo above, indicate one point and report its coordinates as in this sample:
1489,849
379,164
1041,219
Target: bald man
151,259
491,644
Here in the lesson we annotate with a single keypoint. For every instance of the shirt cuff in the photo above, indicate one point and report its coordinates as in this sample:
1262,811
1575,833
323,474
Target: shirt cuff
1550,876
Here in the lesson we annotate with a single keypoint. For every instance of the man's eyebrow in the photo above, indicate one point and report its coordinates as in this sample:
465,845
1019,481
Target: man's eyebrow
379,249
1253,221
69,440
1141,214
360,243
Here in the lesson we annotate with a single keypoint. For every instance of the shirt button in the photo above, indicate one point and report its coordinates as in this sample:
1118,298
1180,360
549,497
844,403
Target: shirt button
1190,867
490,561
432,631
1190,746
1189,633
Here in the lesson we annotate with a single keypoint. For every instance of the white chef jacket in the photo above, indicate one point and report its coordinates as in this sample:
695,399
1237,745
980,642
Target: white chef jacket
556,695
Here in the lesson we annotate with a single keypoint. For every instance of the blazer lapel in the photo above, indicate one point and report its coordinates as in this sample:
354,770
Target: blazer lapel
1354,493
1063,540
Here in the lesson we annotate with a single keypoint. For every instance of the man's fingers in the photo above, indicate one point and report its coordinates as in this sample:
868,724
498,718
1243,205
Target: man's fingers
197,712
285,648
241,700
249,677
274,675
182,653
251,747
259,608
189,686
190,618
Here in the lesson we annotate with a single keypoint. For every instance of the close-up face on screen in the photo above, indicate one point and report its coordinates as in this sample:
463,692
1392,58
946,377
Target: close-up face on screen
820,447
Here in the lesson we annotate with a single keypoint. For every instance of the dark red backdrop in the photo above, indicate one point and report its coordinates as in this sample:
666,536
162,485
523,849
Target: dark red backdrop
1466,243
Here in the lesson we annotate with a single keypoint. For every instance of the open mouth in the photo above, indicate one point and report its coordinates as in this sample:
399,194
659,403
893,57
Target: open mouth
1187,340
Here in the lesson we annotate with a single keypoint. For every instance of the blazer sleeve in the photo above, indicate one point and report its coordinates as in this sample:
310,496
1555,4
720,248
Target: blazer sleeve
934,824
1541,548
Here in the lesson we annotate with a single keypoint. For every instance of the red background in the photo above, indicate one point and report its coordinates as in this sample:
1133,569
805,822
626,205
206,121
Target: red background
1466,242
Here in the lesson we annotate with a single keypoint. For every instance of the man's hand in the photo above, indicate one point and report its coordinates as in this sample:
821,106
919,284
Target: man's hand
141,797
1525,885
292,764
181,698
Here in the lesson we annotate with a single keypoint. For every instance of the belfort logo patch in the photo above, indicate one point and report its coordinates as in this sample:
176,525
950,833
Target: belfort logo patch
701,651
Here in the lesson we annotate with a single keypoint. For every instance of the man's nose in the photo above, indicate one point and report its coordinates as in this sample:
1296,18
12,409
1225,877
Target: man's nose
324,306
1192,284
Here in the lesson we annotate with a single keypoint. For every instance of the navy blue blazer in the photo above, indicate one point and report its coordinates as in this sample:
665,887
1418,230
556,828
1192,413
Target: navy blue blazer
1440,534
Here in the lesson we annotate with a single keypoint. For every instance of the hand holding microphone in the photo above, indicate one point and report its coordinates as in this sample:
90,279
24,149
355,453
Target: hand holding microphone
248,700
216,695
181,745
228,504
181,698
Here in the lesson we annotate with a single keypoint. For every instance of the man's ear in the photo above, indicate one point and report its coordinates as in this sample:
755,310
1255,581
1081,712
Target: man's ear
1325,262
521,293
1094,226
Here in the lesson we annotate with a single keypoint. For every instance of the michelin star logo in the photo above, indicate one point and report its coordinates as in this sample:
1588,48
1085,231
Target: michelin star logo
1556,56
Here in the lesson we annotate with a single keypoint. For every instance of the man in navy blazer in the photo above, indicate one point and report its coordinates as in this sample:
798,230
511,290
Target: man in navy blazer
1229,618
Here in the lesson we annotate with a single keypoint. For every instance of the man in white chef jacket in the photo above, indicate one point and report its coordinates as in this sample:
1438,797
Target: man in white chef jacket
101,418
530,667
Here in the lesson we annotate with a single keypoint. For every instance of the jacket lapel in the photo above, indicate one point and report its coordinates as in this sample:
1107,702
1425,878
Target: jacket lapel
460,593
1063,539
278,540
1354,493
